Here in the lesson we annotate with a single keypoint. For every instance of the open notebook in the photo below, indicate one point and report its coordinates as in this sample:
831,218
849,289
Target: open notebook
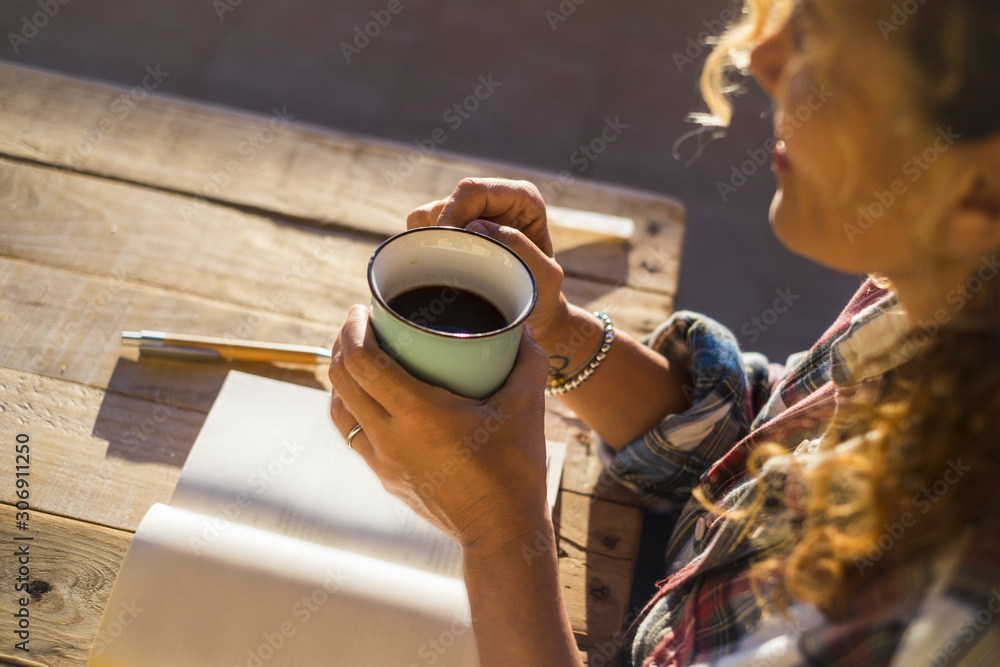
280,547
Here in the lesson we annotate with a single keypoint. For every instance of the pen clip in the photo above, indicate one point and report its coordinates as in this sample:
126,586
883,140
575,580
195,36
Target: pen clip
178,353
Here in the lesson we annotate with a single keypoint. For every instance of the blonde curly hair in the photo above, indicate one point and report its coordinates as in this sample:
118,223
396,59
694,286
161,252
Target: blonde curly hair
942,405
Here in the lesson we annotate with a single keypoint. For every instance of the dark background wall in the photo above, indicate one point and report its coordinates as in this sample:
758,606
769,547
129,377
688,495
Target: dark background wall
562,74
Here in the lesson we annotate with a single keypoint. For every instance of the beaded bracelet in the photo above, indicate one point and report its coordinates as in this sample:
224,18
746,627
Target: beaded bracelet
560,385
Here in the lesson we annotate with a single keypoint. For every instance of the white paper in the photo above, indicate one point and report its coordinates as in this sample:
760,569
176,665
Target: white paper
269,456
250,598
280,547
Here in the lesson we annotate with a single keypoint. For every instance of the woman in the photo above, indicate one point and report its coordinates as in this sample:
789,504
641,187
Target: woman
855,508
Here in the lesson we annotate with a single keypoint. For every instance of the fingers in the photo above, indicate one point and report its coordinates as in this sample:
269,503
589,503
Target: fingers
517,204
350,405
346,423
531,369
370,382
426,215
540,262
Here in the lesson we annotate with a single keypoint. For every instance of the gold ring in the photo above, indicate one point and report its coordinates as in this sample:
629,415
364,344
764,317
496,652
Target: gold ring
353,434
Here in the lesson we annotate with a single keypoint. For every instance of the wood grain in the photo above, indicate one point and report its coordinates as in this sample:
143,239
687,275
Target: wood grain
67,326
75,564
90,461
73,430
140,221
273,164
107,457
599,526
596,592
96,456
269,266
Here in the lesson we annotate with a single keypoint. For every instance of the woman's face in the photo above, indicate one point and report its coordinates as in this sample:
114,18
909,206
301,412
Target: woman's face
850,125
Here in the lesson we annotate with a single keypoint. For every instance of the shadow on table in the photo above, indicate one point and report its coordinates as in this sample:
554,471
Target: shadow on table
607,260
154,408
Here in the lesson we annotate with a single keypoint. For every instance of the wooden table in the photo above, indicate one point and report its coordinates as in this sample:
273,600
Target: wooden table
171,215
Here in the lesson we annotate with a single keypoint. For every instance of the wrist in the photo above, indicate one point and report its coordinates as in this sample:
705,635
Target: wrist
571,341
531,533
550,333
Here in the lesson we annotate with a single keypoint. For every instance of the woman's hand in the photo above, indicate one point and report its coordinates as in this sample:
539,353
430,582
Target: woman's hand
474,468
512,212
635,387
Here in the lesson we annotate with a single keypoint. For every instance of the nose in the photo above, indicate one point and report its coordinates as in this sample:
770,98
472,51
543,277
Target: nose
768,59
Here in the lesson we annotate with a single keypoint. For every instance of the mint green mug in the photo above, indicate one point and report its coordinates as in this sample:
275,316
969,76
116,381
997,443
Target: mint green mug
449,305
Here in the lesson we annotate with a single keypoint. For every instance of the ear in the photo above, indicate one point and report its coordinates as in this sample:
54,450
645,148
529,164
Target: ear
974,219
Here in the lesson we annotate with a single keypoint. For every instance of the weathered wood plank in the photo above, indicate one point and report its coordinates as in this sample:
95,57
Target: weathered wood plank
132,234
583,472
87,257
108,457
73,567
83,465
274,164
95,456
68,326
599,526
596,591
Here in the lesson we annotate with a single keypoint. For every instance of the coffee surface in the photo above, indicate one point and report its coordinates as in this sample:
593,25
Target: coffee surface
448,309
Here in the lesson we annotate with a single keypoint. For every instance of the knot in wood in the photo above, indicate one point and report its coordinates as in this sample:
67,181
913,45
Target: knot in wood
610,542
599,592
36,589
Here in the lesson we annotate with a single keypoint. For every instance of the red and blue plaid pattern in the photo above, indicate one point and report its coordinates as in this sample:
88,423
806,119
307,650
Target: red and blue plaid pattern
705,613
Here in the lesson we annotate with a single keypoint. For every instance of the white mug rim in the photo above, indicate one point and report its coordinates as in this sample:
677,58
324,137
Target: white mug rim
518,321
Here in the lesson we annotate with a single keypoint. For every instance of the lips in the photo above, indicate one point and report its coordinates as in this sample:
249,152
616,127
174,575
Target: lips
780,156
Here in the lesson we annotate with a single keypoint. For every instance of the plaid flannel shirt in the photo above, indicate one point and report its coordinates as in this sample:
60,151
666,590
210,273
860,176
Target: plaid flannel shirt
936,613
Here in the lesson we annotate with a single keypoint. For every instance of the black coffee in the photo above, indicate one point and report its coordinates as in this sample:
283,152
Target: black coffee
448,309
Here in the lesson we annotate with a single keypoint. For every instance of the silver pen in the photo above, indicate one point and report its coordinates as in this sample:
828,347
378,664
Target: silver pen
204,348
